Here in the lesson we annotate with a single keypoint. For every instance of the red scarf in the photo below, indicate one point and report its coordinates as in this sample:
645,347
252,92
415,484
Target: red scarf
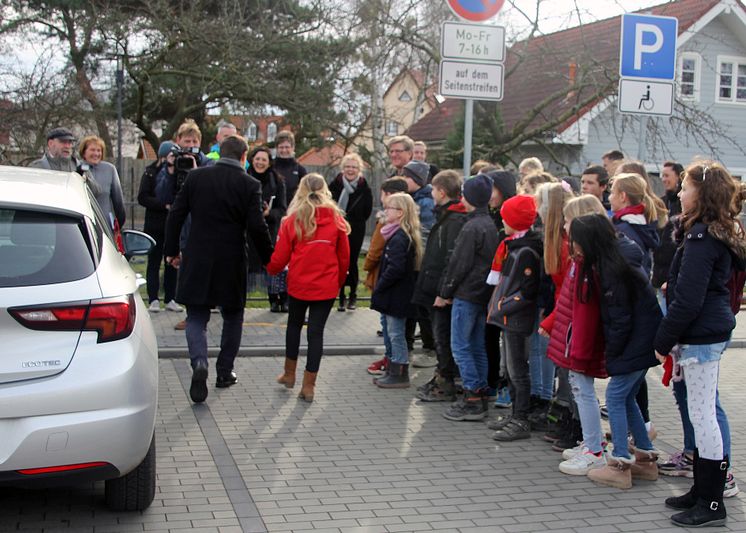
502,251
638,209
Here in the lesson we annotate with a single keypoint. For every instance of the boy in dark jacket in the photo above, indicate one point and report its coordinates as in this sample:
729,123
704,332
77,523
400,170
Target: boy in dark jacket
451,215
464,286
516,271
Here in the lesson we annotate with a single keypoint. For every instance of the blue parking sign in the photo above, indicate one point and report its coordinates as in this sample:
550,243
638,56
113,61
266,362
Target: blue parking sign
648,47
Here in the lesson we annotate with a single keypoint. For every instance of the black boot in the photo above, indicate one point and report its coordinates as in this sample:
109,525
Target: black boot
274,303
709,510
283,299
559,418
538,416
688,500
341,307
571,438
352,302
397,377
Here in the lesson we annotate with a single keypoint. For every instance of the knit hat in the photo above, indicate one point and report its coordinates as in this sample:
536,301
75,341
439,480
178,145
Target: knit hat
165,148
418,171
504,181
519,212
477,190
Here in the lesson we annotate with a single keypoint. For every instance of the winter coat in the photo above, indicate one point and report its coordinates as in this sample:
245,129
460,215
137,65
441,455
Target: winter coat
643,234
438,250
372,264
698,301
317,265
520,279
423,197
225,207
292,172
155,210
630,319
471,260
576,339
663,255
110,197
359,208
396,279
558,279
272,185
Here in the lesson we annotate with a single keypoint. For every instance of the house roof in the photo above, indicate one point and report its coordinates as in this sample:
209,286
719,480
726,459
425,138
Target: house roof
325,156
543,69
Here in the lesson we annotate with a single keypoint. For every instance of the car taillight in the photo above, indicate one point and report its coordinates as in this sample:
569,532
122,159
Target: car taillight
112,318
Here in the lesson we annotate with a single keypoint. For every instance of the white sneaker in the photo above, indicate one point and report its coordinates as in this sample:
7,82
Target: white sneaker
582,463
572,452
173,306
155,306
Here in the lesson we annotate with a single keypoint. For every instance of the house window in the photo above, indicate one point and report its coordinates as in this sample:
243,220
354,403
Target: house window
404,97
392,128
731,80
251,132
689,76
271,132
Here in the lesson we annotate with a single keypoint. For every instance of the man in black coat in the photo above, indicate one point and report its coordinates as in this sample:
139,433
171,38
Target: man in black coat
225,205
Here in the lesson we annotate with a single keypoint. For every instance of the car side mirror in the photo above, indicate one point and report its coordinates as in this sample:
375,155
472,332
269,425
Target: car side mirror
136,243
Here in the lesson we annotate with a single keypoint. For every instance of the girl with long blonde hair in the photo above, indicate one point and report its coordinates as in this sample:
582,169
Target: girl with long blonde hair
392,295
312,243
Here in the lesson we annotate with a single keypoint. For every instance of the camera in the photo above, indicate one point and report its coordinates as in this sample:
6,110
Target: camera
185,158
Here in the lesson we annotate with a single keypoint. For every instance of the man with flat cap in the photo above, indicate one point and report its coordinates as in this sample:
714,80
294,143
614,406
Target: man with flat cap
59,153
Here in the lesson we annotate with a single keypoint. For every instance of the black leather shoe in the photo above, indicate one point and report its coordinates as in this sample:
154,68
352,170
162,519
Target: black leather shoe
198,390
223,382
274,307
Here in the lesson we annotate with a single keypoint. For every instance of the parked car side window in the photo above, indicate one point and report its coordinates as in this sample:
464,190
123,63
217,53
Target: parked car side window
38,248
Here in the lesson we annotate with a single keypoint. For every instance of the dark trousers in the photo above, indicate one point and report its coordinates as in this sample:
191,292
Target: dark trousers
516,362
426,330
440,318
492,344
318,312
196,334
153,271
642,400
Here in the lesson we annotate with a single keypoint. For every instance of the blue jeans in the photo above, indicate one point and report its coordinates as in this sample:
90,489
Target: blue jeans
679,393
467,343
540,366
588,410
624,413
394,339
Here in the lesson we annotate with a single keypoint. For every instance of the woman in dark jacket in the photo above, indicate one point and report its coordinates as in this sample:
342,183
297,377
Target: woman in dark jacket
630,315
275,205
353,195
699,322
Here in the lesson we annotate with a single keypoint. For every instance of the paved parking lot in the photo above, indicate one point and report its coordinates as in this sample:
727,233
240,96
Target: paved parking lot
254,458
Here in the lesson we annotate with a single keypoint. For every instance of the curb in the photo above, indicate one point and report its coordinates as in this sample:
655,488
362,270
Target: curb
275,351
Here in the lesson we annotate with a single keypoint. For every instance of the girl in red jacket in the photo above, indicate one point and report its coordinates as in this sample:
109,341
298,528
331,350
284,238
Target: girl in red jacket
576,344
313,240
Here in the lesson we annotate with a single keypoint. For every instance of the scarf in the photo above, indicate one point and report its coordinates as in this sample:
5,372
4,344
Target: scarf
387,230
638,209
502,252
349,189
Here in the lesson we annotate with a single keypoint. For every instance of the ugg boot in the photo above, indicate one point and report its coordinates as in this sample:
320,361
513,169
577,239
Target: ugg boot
645,465
397,377
709,510
615,474
688,500
309,382
287,378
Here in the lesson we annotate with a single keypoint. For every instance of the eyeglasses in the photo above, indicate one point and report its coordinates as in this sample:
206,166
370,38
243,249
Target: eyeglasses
397,151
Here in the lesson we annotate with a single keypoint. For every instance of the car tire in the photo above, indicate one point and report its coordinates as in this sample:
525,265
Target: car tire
136,490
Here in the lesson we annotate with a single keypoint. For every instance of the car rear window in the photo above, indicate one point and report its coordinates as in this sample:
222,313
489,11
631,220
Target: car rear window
39,248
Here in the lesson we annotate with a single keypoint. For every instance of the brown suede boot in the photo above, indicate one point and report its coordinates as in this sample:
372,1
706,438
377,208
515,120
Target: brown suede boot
309,382
646,465
287,378
615,474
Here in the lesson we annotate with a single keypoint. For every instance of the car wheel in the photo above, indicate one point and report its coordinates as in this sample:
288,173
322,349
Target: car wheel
136,490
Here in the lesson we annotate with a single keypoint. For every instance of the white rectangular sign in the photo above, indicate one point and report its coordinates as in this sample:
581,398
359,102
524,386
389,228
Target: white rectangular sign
478,42
478,81
646,97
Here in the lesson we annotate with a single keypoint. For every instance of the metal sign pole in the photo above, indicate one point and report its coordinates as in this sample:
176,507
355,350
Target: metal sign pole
468,124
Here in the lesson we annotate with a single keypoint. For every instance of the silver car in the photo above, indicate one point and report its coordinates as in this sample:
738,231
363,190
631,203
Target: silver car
79,359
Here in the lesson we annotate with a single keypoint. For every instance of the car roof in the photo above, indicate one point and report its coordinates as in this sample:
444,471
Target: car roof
49,190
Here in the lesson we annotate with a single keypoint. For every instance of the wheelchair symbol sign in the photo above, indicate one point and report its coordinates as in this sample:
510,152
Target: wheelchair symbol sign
476,10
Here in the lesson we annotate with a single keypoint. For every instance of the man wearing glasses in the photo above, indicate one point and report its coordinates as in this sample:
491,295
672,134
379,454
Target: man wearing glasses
400,153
